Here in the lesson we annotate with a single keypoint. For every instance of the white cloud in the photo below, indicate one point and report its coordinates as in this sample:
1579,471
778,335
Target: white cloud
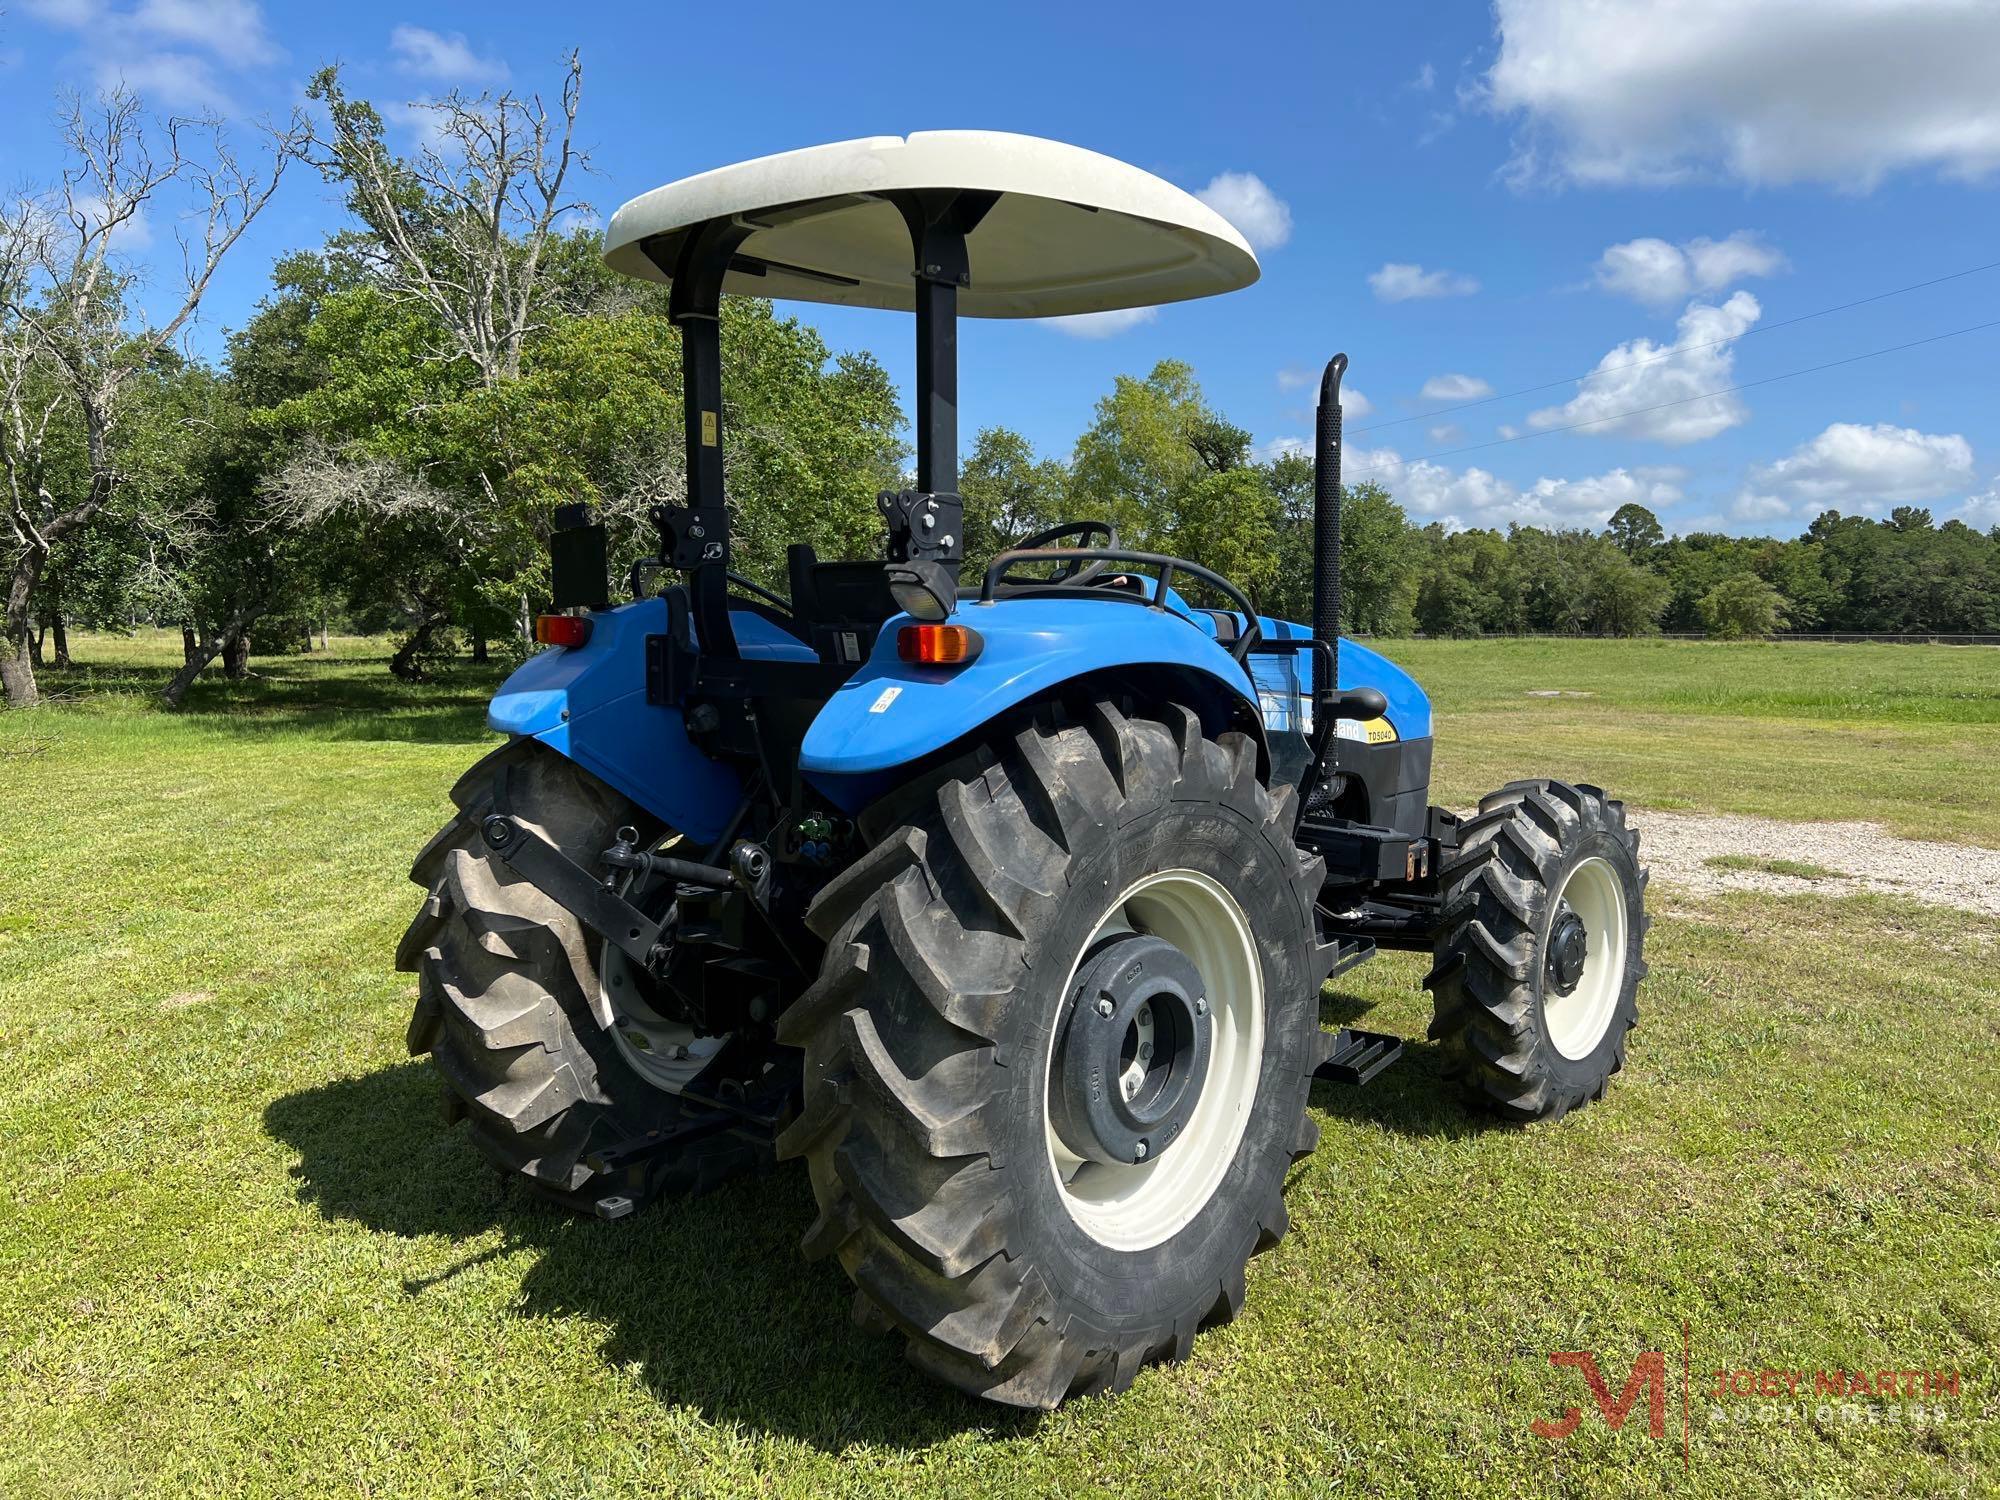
1657,273
165,50
1455,388
175,80
1460,498
1102,325
1446,432
1852,467
1633,379
1264,218
233,30
1426,79
447,59
1982,512
1399,281
1838,91
1752,507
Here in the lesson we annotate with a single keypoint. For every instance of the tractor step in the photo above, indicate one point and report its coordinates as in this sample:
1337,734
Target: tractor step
1358,1056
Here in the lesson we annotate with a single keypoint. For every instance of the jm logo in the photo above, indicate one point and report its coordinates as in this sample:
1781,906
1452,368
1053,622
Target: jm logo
1649,1374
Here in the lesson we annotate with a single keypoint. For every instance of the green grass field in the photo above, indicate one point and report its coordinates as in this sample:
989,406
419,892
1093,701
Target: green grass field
242,1255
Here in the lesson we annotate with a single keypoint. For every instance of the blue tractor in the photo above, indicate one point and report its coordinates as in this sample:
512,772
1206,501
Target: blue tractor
1002,896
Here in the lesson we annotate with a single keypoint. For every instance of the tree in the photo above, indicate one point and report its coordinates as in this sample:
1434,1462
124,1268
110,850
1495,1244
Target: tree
1009,494
1635,531
1448,602
436,492
1904,574
461,228
1741,605
1575,583
1624,599
1694,564
1380,554
1173,476
1377,562
1797,570
1290,596
72,344
460,255
238,561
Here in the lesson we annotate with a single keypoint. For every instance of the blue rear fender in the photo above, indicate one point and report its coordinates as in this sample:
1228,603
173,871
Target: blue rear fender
589,703
892,713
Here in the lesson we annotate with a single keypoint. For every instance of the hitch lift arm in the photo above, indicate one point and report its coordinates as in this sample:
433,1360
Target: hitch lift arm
572,887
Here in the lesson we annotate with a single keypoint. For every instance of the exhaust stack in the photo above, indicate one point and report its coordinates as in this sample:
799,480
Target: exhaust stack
1326,525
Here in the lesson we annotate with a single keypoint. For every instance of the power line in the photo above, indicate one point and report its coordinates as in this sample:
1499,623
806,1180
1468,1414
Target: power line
1637,411
1651,359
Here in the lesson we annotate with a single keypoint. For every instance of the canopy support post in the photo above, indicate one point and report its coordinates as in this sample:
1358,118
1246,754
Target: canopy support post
937,386
939,222
697,539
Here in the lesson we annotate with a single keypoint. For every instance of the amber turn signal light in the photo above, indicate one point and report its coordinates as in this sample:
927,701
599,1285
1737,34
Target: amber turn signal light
938,645
562,630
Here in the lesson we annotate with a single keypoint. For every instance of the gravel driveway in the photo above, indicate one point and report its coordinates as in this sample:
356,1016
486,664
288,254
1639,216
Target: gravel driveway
1677,846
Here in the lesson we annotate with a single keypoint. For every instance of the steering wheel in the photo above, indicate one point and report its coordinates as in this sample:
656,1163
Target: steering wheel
1070,570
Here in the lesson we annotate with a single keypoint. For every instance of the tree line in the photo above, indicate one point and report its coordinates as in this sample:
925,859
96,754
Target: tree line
382,442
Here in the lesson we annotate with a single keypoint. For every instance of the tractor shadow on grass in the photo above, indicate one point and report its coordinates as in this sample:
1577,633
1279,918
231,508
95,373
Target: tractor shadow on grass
1411,1096
709,1298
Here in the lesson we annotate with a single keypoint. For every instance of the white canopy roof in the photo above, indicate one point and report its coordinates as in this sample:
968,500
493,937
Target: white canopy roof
1072,232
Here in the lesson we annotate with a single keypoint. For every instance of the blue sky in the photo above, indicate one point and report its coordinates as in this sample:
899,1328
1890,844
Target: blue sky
1466,199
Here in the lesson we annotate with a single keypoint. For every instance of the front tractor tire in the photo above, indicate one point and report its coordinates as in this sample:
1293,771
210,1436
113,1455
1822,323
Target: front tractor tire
1539,957
512,1008
1058,1056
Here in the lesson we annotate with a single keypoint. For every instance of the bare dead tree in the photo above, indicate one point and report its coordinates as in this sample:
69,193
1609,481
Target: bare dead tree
461,226
70,341
318,482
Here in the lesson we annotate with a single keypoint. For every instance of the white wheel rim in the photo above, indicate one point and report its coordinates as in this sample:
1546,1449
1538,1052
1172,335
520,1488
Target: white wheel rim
1137,1206
1576,1022
666,1053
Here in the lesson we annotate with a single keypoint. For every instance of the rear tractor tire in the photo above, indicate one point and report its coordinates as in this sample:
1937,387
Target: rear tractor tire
1058,1056
515,1002
1540,954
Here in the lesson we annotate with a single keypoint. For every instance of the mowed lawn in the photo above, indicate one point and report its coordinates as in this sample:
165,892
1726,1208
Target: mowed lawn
240,1253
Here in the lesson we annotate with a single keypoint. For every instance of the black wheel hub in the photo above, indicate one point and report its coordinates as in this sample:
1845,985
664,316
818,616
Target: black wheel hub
1132,1053
1569,946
